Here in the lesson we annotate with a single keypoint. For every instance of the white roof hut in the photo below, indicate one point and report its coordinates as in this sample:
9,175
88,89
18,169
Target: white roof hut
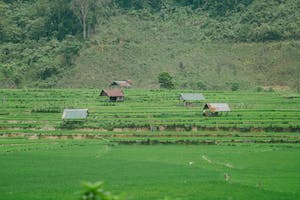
217,107
213,109
186,97
75,114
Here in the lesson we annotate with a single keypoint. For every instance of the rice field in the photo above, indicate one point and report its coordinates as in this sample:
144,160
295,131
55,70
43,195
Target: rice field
149,112
54,169
150,146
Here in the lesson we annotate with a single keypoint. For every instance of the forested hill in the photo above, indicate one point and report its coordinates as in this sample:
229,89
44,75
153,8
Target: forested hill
203,44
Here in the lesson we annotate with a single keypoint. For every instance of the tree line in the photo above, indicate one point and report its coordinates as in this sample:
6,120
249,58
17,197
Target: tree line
36,19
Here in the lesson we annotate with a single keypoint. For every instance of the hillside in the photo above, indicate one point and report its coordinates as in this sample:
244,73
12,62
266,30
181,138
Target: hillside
131,48
202,44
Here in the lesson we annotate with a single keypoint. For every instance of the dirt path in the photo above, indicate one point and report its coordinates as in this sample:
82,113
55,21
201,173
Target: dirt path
164,138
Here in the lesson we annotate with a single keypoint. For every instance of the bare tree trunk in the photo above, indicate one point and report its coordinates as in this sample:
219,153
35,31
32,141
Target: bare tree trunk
81,9
84,27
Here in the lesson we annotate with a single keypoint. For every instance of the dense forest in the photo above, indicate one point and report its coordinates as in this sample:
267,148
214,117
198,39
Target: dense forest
40,40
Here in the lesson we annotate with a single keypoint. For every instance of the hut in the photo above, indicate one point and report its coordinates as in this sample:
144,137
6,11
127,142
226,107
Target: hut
188,97
122,84
114,94
213,109
75,114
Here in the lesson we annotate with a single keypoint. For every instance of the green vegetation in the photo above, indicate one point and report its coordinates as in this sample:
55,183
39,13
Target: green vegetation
53,169
241,52
95,191
157,115
252,153
165,80
202,44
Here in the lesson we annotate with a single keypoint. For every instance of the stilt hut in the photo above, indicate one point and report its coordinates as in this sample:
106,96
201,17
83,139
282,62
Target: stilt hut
214,109
114,95
75,114
187,98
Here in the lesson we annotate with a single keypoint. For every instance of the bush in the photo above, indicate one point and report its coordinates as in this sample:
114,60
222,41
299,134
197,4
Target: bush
259,89
71,124
235,86
201,86
270,89
165,80
95,191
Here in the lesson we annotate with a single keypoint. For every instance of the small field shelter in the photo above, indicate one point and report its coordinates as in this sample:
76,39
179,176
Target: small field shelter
114,94
75,114
187,98
214,109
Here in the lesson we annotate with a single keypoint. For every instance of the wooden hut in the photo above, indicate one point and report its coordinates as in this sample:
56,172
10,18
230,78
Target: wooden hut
214,109
187,98
75,114
114,94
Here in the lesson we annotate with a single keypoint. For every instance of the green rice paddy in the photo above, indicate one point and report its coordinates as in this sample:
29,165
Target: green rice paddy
54,169
150,146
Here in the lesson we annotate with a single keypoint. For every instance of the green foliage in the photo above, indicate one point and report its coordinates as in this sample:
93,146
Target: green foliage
166,80
259,89
71,124
95,191
69,49
270,89
235,86
201,85
39,41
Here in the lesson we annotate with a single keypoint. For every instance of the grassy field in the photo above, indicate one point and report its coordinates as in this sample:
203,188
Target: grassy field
54,169
256,145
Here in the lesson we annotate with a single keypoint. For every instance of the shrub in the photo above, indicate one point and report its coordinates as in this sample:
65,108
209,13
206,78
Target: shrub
165,80
235,86
259,89
95,191
201,86
270,89
71,124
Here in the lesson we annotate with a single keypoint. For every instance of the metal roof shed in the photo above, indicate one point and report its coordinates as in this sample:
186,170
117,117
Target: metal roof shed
191,97
217,107
75,114
212,109
185,97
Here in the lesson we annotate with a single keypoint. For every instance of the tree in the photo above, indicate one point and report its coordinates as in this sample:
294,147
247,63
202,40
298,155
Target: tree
165,80
81,9
89,12
69,49
235,86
